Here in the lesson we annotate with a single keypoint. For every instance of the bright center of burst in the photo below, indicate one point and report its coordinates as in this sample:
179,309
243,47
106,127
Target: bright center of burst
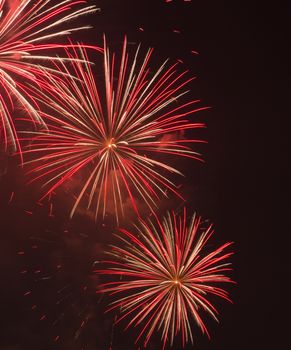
111,144
177,282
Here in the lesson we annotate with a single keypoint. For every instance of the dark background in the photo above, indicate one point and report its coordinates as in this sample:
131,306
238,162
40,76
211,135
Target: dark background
241,188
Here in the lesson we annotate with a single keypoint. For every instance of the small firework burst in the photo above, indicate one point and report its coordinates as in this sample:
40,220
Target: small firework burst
164,275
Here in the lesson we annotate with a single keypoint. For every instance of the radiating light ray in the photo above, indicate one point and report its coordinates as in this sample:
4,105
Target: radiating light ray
116,135
163,274
26,30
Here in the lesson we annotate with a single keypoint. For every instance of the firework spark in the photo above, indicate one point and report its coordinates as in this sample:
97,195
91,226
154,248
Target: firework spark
118,134
56,281
26,30
165,275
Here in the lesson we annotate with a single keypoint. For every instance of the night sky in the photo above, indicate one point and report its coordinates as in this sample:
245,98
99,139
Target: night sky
240,72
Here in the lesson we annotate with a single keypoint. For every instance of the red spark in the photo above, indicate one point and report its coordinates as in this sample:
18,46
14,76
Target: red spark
28,212
194,52
51,210
11,197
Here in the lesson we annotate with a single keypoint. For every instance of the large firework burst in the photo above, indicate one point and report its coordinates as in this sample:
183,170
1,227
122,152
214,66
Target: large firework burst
119,139
164,275
26,30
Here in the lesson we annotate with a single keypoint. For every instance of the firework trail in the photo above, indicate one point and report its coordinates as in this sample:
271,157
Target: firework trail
164,276
116,136
27,29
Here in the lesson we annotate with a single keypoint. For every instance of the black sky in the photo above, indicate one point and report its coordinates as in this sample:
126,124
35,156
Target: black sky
241,188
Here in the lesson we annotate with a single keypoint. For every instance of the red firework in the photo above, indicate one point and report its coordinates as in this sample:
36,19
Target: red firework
24,28
164,276
116,136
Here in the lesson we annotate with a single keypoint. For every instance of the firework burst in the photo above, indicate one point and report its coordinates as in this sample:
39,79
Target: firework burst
164,275
26,30
118,134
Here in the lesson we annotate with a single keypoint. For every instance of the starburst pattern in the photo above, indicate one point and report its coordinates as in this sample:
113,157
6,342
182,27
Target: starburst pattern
27,29
118,140
164,273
